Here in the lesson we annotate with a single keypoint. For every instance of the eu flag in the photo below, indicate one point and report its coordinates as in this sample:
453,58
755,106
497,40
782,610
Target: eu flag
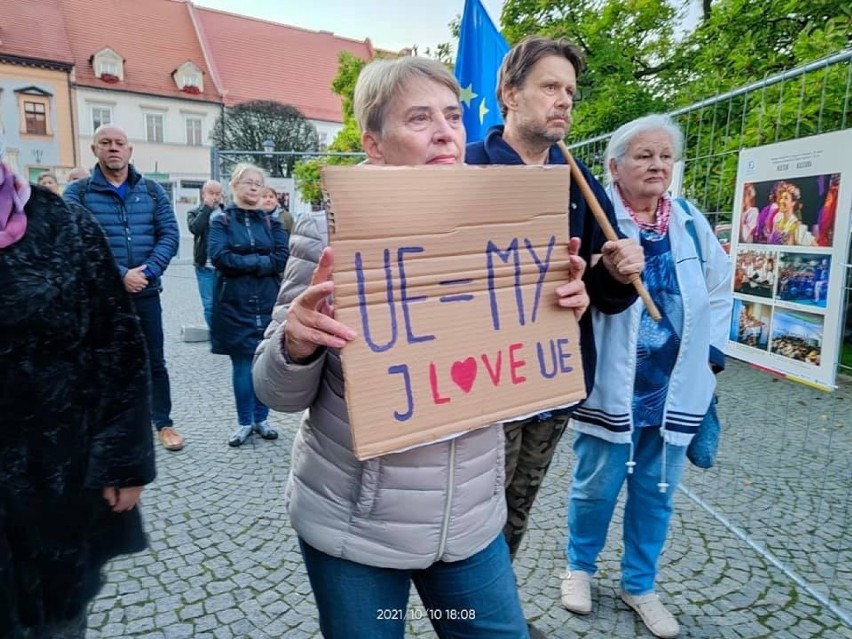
481,51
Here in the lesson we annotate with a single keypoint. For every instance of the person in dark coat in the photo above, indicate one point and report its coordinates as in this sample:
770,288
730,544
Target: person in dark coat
249,250
76,446
198,221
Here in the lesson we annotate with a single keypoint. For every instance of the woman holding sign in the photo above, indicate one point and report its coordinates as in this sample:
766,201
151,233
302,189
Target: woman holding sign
434,514
654,380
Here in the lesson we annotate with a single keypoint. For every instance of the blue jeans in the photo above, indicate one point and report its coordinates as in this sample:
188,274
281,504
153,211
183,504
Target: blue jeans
250,410
150,315
475,597
206,277
599,474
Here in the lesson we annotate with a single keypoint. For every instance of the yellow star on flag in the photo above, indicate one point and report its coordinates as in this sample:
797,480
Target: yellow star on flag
483,111
467,95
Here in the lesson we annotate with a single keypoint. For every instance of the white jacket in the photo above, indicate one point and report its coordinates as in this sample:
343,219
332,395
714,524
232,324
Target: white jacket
707,302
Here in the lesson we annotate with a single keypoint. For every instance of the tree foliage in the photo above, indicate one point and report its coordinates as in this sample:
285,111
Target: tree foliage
307,173
246,126
627,44
642,59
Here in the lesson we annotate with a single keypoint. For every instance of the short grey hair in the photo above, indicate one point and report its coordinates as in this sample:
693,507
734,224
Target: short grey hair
620,141
383,80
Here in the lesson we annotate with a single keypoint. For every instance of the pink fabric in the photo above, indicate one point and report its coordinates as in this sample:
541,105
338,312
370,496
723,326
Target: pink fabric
14,193
663,215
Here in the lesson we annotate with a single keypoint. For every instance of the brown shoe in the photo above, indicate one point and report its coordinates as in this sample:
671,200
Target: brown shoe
170,438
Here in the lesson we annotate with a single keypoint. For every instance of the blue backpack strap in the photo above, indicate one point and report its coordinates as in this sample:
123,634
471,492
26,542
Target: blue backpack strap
690,226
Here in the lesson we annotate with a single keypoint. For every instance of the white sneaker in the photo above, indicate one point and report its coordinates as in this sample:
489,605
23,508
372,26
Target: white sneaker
577,592
653,613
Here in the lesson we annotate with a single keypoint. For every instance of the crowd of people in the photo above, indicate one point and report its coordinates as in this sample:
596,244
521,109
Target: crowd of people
755,274
798,348
804,279
449,516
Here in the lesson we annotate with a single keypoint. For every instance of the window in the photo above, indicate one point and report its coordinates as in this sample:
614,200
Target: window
35,116
189,78
101,116
109,67
193,131
323,140
153,127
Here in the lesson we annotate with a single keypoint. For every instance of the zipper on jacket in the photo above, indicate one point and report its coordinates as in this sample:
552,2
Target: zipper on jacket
258,320
451,480
128,238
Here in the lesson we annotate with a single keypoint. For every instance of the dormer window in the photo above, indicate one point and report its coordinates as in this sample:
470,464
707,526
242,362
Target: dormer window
189,78
108,65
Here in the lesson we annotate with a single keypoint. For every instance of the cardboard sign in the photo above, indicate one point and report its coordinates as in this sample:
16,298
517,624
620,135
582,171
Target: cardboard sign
448,275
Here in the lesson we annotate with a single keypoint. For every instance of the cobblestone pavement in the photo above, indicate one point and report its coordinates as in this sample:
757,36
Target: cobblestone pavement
759,547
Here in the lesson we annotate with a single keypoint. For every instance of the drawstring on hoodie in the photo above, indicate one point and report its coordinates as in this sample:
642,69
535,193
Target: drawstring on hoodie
663,485
630,463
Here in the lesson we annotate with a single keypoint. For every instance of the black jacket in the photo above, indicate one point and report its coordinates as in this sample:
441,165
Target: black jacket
198,221
74,415
249,250
606,294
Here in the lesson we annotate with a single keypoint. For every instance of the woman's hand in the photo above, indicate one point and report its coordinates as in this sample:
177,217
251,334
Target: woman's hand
624,259
573,294
310,322
122,499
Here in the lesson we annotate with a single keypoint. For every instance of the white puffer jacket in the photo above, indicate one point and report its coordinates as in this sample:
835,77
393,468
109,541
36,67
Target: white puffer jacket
441,502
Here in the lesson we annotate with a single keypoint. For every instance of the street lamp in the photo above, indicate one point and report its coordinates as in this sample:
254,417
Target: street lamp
268,147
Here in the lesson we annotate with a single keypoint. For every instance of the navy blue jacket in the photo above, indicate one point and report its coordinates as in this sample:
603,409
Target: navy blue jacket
606,294
249,250
141,229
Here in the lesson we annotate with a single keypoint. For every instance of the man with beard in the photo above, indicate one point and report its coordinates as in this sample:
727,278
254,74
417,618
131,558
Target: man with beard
536,88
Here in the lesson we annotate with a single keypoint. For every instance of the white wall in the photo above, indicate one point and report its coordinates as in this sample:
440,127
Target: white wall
128,110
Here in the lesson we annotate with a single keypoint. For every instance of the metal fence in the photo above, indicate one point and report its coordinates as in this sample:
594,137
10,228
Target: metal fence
276,163
811,99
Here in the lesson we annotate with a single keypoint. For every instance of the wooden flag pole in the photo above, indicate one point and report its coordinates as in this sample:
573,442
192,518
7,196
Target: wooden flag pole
608,231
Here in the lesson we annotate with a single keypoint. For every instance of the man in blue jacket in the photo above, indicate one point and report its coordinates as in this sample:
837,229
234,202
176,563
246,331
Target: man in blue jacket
140,224
536,88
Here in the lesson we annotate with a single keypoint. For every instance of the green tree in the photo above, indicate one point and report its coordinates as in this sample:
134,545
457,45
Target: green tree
247,126
741,41
307,173
627,45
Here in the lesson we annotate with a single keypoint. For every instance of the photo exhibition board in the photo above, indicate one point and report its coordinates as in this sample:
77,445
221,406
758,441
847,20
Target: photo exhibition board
790,244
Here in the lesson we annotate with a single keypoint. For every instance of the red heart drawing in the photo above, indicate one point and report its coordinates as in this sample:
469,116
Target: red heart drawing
464,373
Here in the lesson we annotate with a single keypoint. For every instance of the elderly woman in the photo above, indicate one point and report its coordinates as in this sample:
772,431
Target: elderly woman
249,250
434,514
654,381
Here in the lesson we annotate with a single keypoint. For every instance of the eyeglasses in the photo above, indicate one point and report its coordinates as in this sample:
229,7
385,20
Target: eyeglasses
251,184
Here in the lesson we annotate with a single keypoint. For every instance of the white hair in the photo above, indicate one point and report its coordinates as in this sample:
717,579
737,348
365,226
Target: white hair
620,141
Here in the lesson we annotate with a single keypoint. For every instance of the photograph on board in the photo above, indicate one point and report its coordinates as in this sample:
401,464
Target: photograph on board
797,335
797,211
750,323
803,278
755,272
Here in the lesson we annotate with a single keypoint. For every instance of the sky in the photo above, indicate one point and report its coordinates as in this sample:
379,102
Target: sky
390,24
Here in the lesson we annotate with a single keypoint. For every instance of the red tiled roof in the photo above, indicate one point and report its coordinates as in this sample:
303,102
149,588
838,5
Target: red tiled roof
154,37
34,30
260,60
